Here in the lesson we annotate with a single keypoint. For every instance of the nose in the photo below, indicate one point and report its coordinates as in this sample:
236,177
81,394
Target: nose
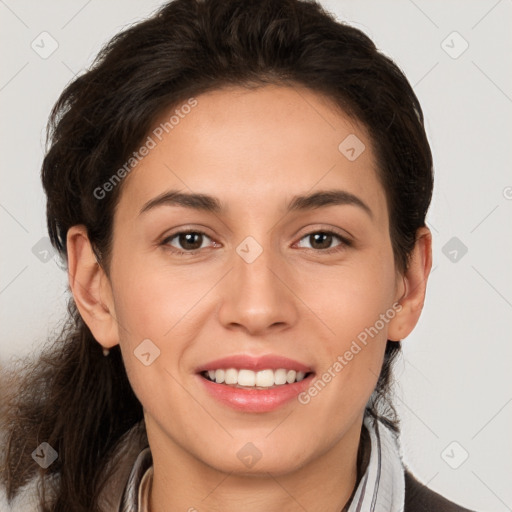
257,295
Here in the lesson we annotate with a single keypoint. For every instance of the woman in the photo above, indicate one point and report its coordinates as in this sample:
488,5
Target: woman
239,191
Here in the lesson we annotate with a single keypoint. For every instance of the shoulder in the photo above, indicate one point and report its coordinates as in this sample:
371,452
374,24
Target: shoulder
27,499
119,467
419,498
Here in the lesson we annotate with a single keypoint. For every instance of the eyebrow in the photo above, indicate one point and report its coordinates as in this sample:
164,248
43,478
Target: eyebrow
207,203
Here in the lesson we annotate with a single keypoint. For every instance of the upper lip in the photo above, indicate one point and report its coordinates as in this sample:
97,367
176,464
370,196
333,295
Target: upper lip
245,361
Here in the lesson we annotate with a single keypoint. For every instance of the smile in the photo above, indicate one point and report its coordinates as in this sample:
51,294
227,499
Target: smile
263,379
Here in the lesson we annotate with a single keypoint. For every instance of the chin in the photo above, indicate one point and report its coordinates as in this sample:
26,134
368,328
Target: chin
253,459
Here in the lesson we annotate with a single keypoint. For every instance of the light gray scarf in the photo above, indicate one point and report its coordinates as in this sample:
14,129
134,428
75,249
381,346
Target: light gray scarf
382,487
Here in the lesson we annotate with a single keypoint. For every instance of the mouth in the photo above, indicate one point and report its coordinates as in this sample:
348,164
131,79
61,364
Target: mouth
248,379
254,384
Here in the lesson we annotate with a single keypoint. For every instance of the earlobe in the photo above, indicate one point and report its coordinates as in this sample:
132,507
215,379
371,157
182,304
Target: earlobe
91,288
412,294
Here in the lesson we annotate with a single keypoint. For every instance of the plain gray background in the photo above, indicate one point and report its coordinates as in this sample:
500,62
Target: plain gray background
454,394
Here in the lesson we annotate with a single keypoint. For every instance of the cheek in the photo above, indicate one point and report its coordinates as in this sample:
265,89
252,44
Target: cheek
349,299
353,306
157,303
351,356
151,300
153,305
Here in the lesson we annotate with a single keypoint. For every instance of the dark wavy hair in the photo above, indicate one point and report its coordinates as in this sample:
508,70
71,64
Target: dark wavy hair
70,395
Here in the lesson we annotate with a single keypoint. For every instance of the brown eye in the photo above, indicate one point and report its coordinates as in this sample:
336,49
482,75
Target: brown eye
187,241
323,240
190,241
320,240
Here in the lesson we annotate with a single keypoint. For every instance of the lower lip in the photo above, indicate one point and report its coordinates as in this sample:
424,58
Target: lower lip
255,400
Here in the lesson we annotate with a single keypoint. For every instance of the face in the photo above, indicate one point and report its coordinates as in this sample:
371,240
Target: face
254,278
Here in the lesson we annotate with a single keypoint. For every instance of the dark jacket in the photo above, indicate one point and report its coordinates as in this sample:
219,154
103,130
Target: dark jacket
419,498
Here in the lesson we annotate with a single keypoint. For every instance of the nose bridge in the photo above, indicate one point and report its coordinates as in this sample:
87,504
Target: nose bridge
252,267
255,297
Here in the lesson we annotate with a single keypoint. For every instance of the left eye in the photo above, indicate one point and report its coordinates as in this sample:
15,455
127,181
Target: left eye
323,239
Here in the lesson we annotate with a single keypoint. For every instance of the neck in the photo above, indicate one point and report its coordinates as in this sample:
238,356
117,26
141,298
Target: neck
323,484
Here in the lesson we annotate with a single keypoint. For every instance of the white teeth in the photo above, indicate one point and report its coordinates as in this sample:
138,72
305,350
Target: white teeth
231,376
219,376
264,378
261,379
280,376
246,378
290,376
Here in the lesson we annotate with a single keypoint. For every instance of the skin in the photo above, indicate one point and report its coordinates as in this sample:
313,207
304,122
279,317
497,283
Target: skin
253,150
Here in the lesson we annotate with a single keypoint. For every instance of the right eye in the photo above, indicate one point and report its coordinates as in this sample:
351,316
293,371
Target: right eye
190,241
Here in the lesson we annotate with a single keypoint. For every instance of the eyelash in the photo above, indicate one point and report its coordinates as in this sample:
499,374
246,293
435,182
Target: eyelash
343,245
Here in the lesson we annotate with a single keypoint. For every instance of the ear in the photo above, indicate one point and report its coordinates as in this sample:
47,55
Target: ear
411,295
91,288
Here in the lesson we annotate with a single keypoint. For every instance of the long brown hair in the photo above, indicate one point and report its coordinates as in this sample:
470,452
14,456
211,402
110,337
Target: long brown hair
70,395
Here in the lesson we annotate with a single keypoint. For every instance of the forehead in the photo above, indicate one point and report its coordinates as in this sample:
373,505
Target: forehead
252,145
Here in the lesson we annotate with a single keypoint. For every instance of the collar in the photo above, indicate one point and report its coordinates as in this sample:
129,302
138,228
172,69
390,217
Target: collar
136,494
382,486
